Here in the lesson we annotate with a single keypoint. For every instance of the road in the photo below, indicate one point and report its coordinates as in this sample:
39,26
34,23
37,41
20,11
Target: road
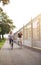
19,56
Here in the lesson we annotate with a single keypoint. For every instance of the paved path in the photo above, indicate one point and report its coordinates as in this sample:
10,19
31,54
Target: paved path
19,56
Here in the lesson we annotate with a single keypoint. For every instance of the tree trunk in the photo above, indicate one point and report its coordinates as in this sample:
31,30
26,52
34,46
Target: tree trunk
2,36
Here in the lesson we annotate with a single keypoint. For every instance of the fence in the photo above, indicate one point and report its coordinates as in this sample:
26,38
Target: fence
32,33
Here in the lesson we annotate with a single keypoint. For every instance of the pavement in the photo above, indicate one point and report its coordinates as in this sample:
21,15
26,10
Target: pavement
19,56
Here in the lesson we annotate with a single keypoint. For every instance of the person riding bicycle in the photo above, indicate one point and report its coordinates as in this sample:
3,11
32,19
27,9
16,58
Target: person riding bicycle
20,39
11,36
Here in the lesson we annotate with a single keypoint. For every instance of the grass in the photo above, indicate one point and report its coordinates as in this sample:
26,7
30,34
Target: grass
2,42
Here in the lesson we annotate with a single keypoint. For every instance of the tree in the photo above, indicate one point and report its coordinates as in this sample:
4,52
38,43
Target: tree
5,1
5,28
6,24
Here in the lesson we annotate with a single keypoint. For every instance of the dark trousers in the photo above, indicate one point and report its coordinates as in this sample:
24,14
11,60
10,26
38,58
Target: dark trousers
11,42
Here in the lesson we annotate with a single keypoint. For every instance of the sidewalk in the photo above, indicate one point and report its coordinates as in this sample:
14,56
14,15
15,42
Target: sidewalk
18,56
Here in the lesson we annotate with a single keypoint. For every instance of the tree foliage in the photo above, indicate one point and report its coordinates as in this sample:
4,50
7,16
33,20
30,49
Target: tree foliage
6,24
4,2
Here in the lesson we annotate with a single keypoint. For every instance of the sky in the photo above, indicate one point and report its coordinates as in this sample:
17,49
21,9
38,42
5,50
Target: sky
21,11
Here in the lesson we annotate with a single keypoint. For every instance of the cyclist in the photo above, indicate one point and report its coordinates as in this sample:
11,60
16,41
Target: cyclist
11,39
20,39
